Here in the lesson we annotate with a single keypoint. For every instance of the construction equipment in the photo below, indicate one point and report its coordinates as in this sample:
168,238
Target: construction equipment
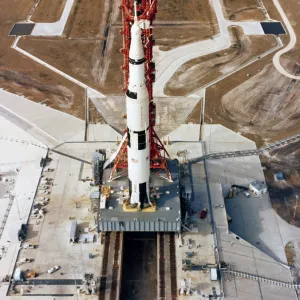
32,274
29,246
23,261
105,190
22,232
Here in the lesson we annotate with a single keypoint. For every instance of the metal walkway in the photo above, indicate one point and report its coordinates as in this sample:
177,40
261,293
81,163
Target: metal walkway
228,154
263,279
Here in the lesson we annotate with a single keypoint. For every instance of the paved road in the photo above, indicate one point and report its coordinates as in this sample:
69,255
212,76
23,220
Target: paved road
290,46
56,28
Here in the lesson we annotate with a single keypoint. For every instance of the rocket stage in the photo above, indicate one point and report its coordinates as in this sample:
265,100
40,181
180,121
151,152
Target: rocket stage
166,218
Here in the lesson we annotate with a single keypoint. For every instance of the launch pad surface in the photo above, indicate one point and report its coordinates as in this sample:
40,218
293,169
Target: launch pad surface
166,217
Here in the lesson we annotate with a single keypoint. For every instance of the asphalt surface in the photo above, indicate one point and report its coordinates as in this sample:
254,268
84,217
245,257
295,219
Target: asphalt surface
22,29
49,282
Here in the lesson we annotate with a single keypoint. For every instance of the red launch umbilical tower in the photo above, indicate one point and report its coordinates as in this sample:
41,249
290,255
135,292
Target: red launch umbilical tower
146,11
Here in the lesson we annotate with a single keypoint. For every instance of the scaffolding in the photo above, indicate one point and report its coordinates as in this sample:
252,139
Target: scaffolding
98,161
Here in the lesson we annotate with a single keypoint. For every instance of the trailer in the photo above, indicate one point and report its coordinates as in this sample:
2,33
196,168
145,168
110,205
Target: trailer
73,232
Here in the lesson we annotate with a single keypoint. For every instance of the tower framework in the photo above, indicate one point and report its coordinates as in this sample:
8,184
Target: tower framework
146,11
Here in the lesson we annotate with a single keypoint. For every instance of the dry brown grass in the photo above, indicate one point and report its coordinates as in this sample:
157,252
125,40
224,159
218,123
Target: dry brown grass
169,37
113,83
56,52
21,75
88,20
48,11
241,10
182,10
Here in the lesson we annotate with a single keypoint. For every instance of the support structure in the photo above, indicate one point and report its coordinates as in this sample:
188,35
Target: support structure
146,11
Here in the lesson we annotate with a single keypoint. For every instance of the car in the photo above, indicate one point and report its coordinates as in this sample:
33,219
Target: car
46,180
28,246
38,204
246,194
203,213
45,192
45,187
52,270
44,199
35,216
23,261
22,232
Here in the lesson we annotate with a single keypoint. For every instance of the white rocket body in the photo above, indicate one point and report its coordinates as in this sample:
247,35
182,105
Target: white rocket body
137,105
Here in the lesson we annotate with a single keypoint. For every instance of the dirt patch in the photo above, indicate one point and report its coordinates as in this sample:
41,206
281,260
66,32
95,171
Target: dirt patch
265,108
290,253
194,116
200,71
94,116
284,193
64,98
242,10
48,11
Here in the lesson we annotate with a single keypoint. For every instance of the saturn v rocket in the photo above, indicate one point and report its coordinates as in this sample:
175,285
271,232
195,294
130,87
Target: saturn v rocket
137,106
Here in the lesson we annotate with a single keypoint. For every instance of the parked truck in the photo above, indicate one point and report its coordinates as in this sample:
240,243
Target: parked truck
22,233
